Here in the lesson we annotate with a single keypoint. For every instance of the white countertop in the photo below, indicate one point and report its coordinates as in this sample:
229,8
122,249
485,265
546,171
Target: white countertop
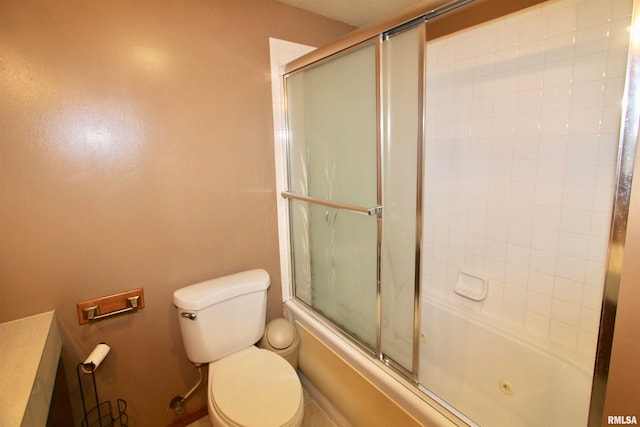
29,351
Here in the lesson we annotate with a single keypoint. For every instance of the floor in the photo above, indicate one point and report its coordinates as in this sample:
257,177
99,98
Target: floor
314,416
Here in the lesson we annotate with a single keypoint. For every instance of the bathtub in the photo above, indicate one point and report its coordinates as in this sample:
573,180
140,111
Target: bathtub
360,388
524,385
496,378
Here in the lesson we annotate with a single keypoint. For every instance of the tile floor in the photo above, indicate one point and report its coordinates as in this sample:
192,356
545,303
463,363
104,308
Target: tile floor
314,416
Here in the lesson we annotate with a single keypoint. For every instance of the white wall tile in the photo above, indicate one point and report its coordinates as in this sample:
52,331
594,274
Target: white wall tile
575,196
591,40
547,216
589,319
525,117
494,268
556,97
565,312
568,290
517,275
559,70
554,123
541,283
622,9
573,245
543,262
610,123
545,239
507,36
531,54
590,12
583,147
514,295
592,298
533,29
595,274
576,220
585,121
581,176
571,268
561,21
616,63
539,304
590,67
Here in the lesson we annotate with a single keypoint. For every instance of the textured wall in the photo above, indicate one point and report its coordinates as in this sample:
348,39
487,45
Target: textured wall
136,150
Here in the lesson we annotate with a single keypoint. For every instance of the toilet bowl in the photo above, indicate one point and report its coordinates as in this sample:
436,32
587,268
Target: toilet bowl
221,320
254,387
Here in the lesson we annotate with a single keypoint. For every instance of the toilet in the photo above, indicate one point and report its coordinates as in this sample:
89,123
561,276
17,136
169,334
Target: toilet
221,320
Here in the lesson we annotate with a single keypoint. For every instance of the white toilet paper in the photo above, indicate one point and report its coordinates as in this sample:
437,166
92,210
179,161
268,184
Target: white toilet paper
96,357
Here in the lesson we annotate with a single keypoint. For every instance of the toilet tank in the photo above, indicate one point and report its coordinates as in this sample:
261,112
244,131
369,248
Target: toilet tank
221,316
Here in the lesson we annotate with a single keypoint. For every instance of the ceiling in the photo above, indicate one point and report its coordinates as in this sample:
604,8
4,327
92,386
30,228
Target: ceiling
355,12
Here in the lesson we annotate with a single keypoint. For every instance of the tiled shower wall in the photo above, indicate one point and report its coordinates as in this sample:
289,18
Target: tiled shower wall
523,118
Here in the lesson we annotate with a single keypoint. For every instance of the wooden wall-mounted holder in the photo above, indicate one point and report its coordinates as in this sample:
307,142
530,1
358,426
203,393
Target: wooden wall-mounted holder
111,305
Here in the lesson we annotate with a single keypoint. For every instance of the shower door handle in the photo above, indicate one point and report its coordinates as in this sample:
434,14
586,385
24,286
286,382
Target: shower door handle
376,210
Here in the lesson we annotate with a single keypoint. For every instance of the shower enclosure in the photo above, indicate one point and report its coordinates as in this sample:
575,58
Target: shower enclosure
451,189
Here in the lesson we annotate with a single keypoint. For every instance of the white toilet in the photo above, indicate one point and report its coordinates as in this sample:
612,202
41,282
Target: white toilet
220,321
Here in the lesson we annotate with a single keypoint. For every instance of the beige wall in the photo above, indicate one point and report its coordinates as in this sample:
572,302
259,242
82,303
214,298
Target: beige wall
136,150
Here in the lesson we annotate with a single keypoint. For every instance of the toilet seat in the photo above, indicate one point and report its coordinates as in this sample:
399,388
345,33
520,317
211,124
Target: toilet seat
254,387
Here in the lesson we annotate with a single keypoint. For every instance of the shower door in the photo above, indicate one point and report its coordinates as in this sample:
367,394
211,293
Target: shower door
402,54
333,187
354,155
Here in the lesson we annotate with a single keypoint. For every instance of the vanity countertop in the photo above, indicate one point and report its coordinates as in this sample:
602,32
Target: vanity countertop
29,351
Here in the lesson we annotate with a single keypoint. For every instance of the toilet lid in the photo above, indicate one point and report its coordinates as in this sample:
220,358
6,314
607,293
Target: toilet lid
255,388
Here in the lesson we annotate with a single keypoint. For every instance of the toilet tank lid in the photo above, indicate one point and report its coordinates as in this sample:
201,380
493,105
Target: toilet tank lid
204,294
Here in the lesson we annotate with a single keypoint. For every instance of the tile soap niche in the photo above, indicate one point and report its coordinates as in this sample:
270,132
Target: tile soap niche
472,286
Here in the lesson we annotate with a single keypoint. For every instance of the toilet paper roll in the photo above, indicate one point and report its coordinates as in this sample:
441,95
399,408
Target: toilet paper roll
96,357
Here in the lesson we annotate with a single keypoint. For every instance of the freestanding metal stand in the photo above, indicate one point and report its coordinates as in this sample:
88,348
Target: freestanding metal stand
101,414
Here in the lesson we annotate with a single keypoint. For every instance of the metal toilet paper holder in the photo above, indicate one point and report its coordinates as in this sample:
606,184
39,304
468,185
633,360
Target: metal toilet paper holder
101,415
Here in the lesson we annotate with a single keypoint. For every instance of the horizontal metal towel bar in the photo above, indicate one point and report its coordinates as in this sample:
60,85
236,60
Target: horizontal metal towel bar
93,313
376,210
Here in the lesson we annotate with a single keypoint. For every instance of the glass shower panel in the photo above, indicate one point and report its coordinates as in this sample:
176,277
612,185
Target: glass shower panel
401,64
339,281
332,121
520,169
333,132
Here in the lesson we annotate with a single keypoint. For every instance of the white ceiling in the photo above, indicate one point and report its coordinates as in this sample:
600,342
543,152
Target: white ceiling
354,12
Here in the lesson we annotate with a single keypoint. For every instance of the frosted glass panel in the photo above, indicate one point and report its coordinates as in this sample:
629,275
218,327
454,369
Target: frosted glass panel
335,266
332,119
332,124
401,72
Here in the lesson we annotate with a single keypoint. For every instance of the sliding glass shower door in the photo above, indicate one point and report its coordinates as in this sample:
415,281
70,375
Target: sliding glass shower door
354,155
401,78
333,186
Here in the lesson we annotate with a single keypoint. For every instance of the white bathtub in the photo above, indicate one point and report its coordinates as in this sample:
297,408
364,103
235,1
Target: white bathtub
497,379
490,377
